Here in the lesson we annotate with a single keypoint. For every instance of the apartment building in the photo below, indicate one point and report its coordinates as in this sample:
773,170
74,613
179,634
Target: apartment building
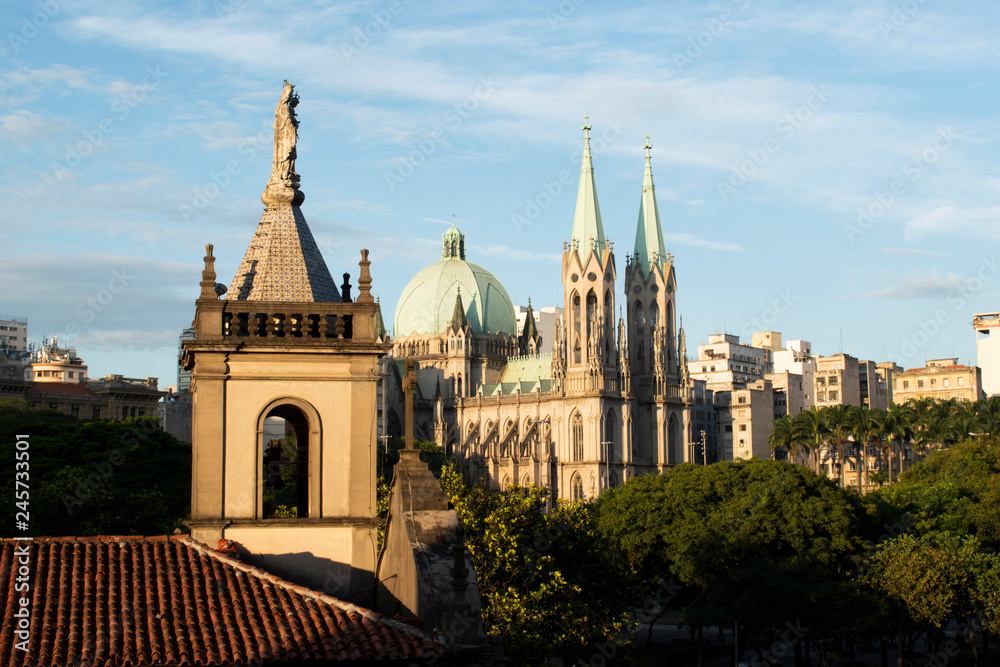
744,419
837,381
14,333
724,361
987,328
941,379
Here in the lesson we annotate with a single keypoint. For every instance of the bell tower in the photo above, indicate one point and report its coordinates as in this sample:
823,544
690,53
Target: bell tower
286,347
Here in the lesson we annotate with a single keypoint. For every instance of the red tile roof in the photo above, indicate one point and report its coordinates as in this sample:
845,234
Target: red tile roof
60,388
110,601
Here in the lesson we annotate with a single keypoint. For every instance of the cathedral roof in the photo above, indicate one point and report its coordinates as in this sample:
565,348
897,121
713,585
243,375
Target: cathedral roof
649,248
427,304
588,230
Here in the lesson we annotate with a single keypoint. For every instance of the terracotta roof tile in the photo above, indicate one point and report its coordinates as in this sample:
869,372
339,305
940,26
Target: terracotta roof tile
107,601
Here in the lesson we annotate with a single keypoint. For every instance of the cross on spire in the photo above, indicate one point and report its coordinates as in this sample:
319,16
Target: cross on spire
586,126
648,146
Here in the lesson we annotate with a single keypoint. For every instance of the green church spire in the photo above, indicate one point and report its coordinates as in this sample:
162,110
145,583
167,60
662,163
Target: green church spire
649,248
588,230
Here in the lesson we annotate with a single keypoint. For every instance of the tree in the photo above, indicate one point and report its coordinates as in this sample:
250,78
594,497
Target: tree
92,477
787,435
936,578
837,425
759,542
548,586
812,427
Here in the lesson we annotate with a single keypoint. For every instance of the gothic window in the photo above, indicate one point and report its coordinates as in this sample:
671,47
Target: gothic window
611,437
654,314
640,317
454,248
576,313
577,486
577,352
577,439
460,386
591,311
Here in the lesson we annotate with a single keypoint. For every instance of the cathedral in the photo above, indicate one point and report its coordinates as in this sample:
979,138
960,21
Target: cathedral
595,406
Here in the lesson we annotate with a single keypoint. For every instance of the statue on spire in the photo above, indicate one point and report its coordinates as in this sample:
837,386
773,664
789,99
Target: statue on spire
283,186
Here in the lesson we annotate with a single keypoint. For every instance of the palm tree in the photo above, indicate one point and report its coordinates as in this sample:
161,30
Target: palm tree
835,420
812,427
786,435
898,431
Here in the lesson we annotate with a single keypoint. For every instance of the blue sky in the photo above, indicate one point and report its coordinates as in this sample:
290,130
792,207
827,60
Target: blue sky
826,169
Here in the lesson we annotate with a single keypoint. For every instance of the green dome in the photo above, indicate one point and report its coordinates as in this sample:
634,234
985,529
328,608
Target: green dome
427,304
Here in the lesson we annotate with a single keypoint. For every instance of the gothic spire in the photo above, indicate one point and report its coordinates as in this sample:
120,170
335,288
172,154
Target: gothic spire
458,320
649,247
588,230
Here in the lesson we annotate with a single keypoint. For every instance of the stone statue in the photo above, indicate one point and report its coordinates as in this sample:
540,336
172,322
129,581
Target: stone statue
283,186
286,133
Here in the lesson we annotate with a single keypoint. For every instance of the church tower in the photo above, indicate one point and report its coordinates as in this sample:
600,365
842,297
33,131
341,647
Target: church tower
286,349
650,287
588,277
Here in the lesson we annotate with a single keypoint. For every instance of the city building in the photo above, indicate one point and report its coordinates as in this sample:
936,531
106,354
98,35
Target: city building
873,384
596,404
987,327
724,361
797,358
789,393
941,379
837,381
13,333
887,371
744,420
546,320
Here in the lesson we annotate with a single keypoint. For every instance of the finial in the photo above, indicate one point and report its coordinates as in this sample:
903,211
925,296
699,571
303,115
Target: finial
586,126
364,279
648,146
208,275
529,303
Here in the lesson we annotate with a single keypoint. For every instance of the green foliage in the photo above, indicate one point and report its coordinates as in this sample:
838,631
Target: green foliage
935,578
548,586
760,542
95,477
954,490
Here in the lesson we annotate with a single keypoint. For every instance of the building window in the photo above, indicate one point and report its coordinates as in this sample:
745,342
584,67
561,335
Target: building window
729,428
834,380
74,410
742,399
933,382
833,396
577,486
821,396
97,412
821,382
945,382
961,381
142,412
54,406
743,427
906,384
577,428
920,384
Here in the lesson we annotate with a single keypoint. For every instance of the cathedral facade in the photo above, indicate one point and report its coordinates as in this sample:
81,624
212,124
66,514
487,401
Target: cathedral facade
599,404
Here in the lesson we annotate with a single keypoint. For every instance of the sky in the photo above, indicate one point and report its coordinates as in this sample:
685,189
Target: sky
828,170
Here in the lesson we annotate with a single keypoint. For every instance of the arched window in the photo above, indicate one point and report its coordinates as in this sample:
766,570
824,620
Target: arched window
454,248
611,437
577,436
654,314
577,487
675,446
460,386
640,318
591,311
576,313
577,352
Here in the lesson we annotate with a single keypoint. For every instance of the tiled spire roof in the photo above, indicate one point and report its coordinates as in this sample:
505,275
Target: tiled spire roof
649,247
588,230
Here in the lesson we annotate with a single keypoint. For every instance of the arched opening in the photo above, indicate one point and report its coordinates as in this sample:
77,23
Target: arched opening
674,444
611,437
460,386
576,484
576,314
591,313
285,479
671,343
576,423
640,318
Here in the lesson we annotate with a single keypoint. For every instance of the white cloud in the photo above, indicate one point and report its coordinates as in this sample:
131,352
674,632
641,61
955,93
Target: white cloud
918,284
953,220
692,241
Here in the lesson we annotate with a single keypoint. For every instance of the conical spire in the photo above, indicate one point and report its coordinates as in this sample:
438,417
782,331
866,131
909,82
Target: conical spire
588,230
527,343
682,353
458,320
649,248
